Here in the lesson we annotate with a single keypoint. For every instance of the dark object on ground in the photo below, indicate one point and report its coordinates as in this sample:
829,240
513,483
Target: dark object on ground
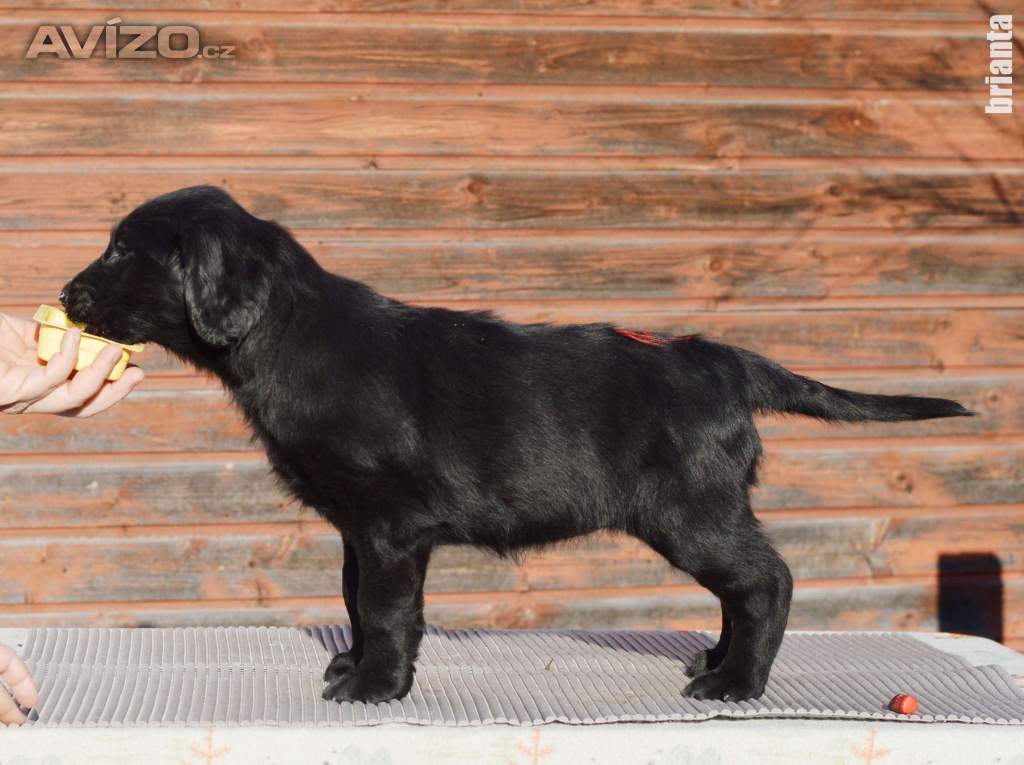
971,594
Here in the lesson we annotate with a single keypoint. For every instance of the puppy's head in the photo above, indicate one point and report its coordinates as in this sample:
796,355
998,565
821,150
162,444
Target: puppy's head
187,267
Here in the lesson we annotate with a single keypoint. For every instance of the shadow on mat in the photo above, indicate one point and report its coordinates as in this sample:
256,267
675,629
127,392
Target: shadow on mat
683,647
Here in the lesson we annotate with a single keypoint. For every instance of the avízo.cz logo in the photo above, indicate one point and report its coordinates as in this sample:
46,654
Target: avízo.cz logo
129,41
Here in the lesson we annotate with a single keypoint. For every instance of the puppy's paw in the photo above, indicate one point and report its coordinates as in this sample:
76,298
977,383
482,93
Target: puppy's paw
340,664
705,661
721,686
357,685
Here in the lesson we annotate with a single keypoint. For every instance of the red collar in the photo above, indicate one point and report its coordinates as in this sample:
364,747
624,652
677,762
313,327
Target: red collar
649,338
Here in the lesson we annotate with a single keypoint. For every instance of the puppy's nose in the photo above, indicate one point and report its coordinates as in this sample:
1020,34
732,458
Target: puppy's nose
77,301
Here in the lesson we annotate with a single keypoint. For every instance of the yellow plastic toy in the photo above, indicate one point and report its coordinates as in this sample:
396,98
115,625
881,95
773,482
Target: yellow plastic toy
54,324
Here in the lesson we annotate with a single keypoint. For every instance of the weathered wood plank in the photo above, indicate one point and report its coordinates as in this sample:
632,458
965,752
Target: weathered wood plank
900,475
287,562
200,567
723,268
904,11
860,606
111,492
133,491
786,197
868,606
203,419
365,121
189,420
535,50
936,338
852,546
835,339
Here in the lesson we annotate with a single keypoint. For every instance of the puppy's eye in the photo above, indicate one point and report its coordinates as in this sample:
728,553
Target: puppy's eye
117,251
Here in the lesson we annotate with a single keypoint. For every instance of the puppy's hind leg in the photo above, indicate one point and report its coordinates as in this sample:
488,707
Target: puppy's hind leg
727,553
389,601
347,660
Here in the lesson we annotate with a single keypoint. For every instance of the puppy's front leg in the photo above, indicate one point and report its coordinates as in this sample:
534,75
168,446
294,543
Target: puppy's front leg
390,606
343,662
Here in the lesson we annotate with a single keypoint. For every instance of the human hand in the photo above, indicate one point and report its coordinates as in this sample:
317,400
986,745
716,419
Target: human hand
26,386
20,691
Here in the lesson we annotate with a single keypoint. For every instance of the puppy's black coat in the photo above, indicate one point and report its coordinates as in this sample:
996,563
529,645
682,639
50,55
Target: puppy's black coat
409,428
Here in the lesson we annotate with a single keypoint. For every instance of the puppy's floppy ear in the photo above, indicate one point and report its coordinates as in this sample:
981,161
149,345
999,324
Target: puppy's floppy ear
227,280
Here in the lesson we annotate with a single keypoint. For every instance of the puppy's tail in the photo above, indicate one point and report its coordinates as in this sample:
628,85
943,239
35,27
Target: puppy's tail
774,388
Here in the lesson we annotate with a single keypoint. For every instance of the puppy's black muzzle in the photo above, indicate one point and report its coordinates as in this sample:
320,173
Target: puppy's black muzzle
77,301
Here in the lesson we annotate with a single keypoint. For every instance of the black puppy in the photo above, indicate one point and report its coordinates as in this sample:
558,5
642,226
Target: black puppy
409,428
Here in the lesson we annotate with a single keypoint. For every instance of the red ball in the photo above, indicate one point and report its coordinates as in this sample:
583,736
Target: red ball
903,704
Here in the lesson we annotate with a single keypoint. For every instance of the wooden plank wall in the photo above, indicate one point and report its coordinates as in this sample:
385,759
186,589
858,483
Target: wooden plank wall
816,180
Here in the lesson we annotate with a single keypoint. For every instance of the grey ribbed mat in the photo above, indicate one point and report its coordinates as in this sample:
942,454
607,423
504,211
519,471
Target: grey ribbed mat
272,676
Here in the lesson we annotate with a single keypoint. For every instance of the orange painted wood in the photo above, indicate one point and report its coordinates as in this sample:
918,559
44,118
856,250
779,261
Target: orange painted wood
58,491
808,179
871,546
285,561
371,121
726,268
904,11
902,474
835,339
892,605
785,197
866,606
898,338
537,49
136,490
188,420
200,567
197,419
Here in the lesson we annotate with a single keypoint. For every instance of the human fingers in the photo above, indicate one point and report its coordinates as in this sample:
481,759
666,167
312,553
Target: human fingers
23,329
9,712
110,394
88,382
15,674
57,370
30,333
29,330
74,393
